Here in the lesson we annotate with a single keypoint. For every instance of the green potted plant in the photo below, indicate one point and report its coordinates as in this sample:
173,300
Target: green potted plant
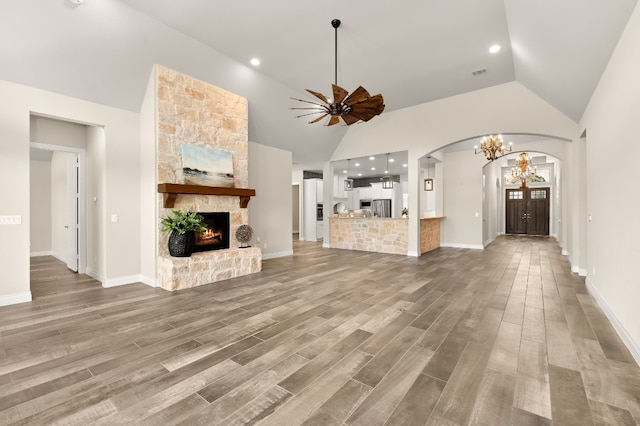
183,225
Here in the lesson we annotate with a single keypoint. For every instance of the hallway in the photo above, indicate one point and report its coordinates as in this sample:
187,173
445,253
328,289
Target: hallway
500,336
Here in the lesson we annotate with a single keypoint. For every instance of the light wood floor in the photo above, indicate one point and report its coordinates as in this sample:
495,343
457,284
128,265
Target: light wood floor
496,337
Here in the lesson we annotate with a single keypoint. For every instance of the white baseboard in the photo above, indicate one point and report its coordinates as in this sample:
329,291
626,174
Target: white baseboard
12,299
565,252
266,256
486,243
41,253
151,282
412,253
467,246
115,282
326,245
93,274
59,257
632,345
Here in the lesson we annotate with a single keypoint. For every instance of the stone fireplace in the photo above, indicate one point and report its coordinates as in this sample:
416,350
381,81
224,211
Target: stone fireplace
190,111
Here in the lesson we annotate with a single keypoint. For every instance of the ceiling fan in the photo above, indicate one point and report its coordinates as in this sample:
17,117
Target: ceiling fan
354,107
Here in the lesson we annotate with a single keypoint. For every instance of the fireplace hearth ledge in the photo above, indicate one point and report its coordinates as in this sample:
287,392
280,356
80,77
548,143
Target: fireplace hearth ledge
178,273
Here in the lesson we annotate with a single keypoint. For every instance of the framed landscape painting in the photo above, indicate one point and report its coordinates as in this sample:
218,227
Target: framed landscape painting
206,166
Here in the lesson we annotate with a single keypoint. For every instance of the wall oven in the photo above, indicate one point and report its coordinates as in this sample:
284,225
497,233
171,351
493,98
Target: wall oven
365,204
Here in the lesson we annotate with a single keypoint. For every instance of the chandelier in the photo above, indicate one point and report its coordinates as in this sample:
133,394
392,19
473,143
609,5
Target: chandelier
523,169
492,147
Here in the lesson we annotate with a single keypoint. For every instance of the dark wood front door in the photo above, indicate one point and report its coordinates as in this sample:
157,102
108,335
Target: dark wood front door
527,211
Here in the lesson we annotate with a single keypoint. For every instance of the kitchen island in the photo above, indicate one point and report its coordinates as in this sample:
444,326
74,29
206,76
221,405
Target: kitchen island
366,233
429,233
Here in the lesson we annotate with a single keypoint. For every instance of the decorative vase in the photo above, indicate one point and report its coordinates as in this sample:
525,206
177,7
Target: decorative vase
181,245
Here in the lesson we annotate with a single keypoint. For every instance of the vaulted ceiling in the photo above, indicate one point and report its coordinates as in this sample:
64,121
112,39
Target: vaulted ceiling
411,52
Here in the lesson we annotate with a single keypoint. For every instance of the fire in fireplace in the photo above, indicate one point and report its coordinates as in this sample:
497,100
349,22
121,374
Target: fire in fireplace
216,237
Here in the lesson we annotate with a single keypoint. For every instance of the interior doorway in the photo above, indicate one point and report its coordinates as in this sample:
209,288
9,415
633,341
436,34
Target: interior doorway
527,211
295,211
63,221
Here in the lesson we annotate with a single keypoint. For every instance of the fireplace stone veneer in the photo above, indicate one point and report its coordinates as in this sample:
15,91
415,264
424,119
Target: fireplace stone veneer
178,273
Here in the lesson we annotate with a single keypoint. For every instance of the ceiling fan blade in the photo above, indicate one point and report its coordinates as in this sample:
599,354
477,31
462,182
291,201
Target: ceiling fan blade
366,110
338,93
319,118
349,119
335,119
310,102
358,95
319,95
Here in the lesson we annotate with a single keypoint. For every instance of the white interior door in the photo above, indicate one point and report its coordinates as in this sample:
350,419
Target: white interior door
73,205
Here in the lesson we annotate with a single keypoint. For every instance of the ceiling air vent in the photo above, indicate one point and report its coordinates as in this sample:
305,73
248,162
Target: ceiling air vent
479,71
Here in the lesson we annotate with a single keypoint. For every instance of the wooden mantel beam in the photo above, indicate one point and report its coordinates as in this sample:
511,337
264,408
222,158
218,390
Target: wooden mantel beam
172,190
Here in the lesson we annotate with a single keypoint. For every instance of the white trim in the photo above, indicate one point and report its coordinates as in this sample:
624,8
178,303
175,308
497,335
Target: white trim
412,253
93,274
633,346
486,243
565,252
266,256
582,272
41,253
467,246
326,245
151,282
115,282
60,258
13,299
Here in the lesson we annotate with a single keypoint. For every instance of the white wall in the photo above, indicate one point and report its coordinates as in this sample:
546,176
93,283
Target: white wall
149,183
121,174
612,149
96,202
492,189
40,198
50,131
270,209
462,226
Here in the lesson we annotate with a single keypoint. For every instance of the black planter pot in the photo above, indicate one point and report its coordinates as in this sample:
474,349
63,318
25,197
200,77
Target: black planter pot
181,245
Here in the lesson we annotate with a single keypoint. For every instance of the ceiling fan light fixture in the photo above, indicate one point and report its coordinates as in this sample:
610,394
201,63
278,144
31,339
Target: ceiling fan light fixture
351,108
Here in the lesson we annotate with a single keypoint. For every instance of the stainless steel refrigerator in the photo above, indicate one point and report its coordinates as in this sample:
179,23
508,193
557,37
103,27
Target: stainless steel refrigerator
381,208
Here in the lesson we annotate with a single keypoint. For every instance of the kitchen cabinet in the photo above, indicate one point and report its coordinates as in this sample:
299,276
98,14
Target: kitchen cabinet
312,192
338,187
365,193
319,191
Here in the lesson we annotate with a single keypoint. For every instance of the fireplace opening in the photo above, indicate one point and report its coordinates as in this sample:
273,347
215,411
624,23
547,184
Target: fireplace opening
216,237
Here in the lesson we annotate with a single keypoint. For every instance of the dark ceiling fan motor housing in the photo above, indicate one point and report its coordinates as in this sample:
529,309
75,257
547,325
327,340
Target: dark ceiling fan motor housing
358,106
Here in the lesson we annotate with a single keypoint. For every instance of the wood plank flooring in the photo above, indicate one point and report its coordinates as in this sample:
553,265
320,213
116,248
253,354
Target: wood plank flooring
325,337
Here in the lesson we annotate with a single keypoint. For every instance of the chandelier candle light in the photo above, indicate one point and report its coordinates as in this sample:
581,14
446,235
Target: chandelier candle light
492,147
523,169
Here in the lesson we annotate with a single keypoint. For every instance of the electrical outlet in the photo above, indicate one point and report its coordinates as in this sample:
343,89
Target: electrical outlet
10,220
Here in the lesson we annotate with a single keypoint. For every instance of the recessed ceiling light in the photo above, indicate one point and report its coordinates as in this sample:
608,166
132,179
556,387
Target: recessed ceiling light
255,62
386,172
357,164
373,168
359,174
391,160
344,171
495,48
372,158
404,165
